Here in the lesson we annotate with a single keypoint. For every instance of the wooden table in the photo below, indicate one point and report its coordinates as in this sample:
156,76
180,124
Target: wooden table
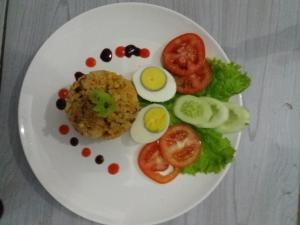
262,186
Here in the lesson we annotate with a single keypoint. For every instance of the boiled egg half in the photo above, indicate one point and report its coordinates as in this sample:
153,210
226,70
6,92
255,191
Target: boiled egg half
150,124
154,84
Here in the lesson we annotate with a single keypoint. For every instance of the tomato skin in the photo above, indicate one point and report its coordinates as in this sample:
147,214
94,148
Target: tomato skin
151,163
161,179
184,136
151,159
184,54
194,82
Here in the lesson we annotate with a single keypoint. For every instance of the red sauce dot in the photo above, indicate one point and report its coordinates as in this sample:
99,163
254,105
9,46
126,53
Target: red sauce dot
144,53
86,152
113,168
63,93
64,129
90,62
120,51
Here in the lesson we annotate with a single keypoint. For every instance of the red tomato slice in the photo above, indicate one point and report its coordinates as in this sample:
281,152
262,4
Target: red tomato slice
180,145
195,82
184,54
151,159
152,164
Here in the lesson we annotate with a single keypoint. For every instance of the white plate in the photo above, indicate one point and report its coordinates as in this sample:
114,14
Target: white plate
76,182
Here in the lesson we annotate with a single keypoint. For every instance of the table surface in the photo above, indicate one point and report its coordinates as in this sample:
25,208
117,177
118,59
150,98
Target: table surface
262,186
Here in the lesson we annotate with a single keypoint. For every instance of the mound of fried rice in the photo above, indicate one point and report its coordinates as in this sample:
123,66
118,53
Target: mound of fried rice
86,121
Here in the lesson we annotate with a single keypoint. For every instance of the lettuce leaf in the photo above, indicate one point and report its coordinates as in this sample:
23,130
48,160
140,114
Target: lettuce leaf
228,80
216,153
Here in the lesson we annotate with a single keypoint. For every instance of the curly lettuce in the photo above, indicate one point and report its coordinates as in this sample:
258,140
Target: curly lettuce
228,80
216,153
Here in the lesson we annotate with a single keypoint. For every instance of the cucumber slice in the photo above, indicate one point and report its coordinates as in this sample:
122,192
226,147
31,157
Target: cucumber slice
219,116
193,110
237,120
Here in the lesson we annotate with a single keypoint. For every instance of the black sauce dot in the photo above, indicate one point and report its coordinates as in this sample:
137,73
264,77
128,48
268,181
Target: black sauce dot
74,141
1,208
61,104
106,55
131,50
136,52
77,75
99,159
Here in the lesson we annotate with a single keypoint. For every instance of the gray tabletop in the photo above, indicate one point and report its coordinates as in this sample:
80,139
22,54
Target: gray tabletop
262,186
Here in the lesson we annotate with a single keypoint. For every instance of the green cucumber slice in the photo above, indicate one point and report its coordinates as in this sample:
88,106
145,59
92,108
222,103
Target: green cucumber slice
219,116
191,109
237,120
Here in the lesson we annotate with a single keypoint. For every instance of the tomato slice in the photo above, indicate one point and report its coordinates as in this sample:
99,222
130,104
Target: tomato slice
194,82
180,145
153,164
151,159
184,54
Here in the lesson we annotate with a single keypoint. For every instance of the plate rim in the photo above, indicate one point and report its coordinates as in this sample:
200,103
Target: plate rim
26,146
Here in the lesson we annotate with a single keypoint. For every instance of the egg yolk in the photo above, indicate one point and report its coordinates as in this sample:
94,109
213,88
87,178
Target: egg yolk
155,119
153,78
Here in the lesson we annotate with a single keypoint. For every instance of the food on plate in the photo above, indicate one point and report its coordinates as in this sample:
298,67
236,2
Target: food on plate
130,50
106,55
219,116
184,54
203,88
102,104
227,80
90,62
216,153
99,159
74,141
237,120
113,168
61,103
63,129
154,166
184,57
180,111
150,124
205,112
63,93
192,109
180,146
194,82
153,78
78,74
154,84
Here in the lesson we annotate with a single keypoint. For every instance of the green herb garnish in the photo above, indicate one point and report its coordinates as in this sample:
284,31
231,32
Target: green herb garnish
104,103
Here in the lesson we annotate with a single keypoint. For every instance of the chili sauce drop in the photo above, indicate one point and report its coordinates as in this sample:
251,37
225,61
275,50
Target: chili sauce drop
90,62
64,129
113,168
86,152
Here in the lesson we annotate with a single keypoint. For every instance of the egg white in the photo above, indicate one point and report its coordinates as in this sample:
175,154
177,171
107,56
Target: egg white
165,93
138,131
